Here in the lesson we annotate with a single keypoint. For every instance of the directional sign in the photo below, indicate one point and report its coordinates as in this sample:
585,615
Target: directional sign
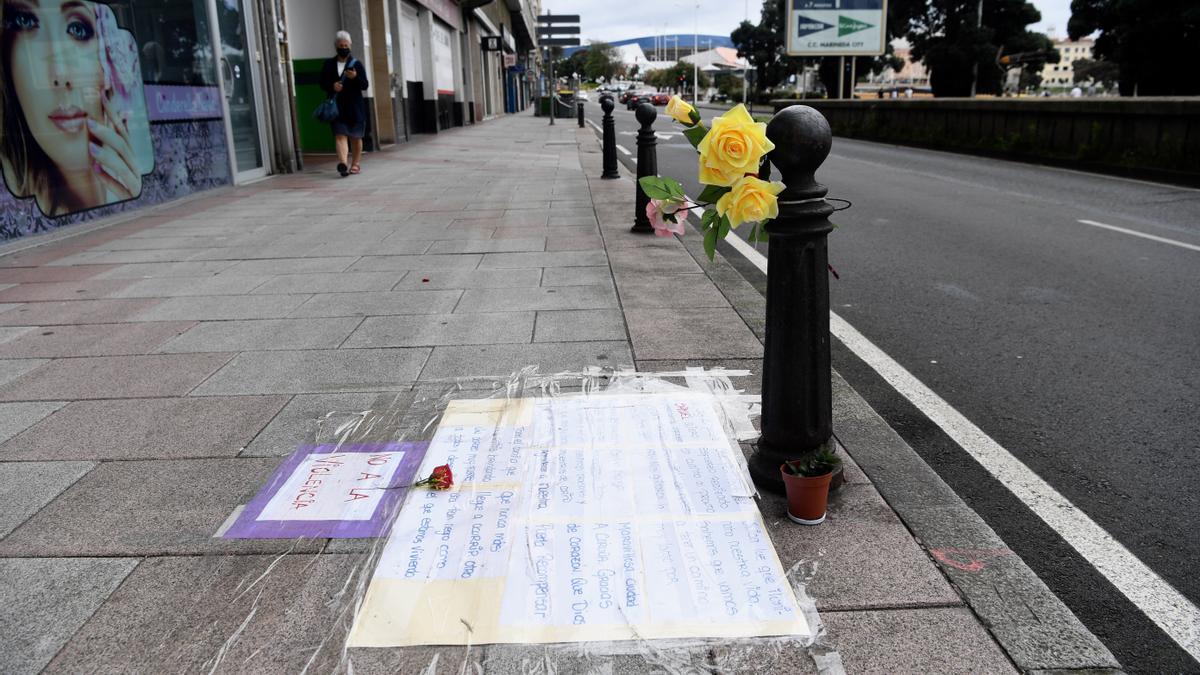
559,42
836,27
558,30
558,18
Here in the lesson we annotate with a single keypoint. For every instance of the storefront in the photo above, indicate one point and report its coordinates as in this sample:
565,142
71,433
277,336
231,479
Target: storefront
113,106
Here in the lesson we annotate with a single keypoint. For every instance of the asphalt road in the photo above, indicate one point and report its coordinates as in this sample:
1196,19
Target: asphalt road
1077,348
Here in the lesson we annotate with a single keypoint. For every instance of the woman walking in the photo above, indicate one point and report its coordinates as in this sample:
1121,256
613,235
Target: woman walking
344,77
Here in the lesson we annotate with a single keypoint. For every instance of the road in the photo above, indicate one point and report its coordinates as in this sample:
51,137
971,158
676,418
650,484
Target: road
1075,346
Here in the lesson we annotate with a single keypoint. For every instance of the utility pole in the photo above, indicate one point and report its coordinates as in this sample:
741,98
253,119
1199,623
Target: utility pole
975,67
695,60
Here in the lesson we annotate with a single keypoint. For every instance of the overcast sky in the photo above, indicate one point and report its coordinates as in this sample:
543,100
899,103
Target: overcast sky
612,20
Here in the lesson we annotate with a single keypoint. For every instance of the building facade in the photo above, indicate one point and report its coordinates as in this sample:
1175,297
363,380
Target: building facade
221,92
1062,74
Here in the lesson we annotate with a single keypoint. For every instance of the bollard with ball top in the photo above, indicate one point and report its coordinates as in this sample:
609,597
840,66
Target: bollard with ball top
579,113
610,138
647,165
797,404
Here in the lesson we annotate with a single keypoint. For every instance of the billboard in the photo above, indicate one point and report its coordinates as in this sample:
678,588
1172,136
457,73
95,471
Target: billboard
836,27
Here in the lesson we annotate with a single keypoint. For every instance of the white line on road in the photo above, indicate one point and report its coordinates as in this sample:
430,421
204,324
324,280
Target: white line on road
1157,599
622,149
1143,235
595,126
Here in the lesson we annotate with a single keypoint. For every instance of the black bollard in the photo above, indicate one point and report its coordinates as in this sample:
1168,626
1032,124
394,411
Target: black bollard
797,410
647,165
610,139
579,111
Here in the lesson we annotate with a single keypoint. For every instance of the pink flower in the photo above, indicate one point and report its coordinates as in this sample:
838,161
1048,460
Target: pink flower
662,216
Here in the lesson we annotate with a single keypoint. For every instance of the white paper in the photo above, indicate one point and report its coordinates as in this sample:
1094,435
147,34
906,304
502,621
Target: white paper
338,486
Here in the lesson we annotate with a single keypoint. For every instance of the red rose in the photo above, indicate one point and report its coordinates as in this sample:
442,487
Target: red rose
441,478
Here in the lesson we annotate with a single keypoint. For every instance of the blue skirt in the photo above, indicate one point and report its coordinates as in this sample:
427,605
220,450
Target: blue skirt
351,130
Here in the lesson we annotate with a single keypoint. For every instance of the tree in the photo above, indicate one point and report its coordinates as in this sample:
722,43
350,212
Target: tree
945,35
1152,42
601,60
1104,73
677,78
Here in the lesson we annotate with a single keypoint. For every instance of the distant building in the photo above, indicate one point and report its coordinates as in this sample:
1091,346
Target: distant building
1062,74
912,73
717,60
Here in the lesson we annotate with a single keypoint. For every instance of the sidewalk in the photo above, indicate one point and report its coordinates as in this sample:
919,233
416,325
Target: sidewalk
153,373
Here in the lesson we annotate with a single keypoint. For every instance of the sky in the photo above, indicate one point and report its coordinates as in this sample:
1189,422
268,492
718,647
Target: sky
612,20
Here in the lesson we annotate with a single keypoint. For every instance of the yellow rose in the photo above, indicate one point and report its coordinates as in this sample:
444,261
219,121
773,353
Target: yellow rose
681,110
750,200
733,147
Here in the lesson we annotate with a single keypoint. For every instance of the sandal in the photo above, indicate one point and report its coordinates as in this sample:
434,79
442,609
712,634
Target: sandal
341,168
355,169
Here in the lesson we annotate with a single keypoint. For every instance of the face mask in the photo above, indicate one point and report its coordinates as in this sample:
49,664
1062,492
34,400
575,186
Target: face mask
343,51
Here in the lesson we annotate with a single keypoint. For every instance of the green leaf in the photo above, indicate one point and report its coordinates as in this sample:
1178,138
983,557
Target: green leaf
723,228
711,193
654,187
695,134
674,188
694,116
710,243
707,219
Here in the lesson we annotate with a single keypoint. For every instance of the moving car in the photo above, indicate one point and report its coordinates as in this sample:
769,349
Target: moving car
636,98
660,98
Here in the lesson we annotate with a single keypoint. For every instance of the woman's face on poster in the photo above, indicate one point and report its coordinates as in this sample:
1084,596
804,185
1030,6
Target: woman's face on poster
56,74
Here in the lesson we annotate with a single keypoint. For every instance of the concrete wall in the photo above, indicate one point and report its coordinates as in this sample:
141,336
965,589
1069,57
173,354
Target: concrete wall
1153,137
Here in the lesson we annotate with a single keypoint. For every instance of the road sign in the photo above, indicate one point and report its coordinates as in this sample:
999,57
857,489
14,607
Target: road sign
559,42
558,30
558,18
836,27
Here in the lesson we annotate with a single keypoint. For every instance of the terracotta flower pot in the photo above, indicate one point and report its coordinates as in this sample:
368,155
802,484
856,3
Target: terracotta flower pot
806,497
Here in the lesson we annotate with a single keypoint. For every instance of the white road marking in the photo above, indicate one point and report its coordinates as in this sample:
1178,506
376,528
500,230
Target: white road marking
665,137
622,149
1143,235
595,126
1154,596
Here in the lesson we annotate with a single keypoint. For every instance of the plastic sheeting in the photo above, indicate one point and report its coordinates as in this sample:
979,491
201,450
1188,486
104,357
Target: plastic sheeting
596,517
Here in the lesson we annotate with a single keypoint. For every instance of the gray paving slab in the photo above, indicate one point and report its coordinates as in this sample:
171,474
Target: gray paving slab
114,377
28,486
167,287
25,275
156,428
542,298
284,265
44,601
543,259
245,614
317,371
942,640
550,233
630,658
75,312
17,417
309,418
588,242
101,339
669,290
432,279
221,308
690,333
647,260
431,330
264,334
577,276
378,303
5,306
148,508
404,263
355,244
516,244
425,660
84,289
503,360
342,282
199,268
580,325
13,369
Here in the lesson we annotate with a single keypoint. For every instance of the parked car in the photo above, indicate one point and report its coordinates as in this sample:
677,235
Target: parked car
660,98
624,98
718,97
636,98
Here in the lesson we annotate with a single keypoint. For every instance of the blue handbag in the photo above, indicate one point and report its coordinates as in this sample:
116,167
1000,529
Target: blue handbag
327,111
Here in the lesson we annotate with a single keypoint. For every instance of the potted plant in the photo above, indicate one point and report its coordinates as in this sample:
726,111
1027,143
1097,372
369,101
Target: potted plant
807,483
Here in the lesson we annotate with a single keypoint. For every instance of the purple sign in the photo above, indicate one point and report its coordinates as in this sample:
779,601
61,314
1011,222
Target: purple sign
172,103
330,491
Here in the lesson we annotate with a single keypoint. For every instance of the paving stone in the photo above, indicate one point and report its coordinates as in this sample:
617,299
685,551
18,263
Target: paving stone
427,279
515,244
502,360
84,289
544,259
44,601
17,417
221,308
345,282
28,486
156,428
35,275
575,243
309,418
317,371
577,276
354,245
378,303
669,290
152,507
13,369
247,614
75,312
632,658
167,287
114,377
424,660
285,265
943,640
651,260
198,268
101,339
690,333
442,329
524,299
265,334
580,325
